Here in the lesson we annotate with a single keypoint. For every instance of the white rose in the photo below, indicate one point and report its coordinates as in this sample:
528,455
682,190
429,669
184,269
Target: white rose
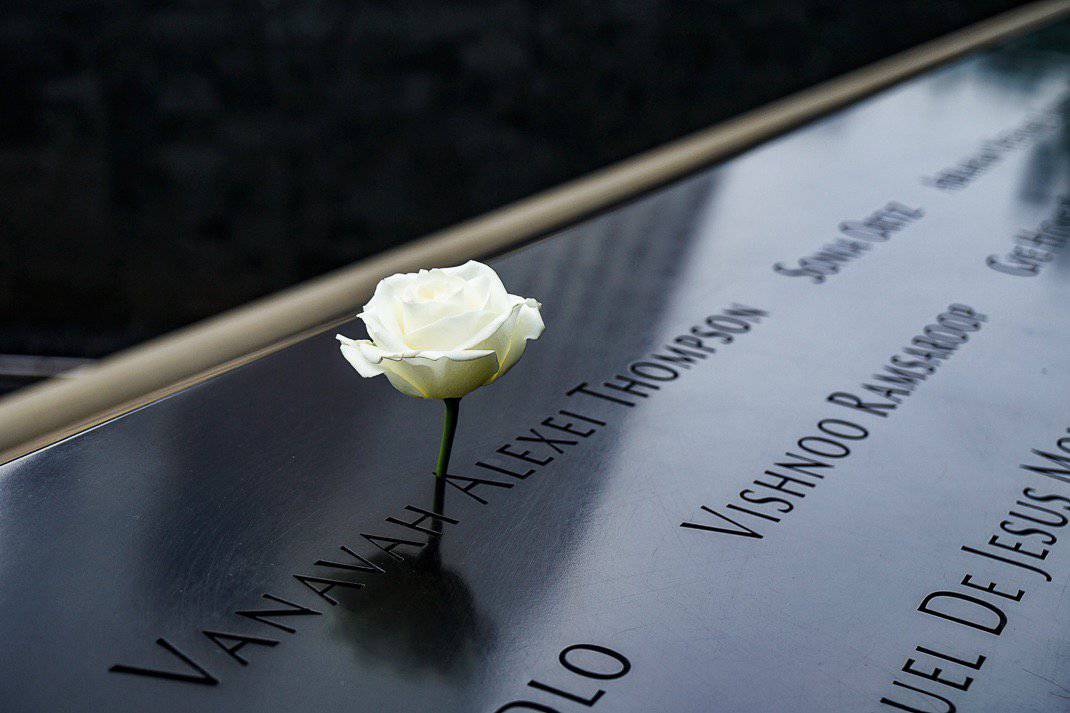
441,333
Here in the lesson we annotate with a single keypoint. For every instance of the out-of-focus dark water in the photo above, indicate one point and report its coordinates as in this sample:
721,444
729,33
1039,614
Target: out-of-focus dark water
161,162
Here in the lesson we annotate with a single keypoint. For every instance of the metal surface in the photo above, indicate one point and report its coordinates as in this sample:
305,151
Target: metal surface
167,522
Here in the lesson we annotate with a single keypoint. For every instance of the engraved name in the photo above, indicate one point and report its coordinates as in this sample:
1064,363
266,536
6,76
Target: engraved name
878,227
589,661
1035,248
937,677
992,151
777,492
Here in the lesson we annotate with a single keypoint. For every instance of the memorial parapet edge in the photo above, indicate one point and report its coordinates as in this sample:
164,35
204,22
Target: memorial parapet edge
796,438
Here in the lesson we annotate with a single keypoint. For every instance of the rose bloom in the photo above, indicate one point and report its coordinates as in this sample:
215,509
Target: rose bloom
441,333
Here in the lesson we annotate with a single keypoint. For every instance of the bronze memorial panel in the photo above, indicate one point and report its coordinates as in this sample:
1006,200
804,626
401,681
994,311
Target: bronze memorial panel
796,438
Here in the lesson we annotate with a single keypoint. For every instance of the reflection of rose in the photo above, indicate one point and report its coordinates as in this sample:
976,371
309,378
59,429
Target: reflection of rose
438,334
418,616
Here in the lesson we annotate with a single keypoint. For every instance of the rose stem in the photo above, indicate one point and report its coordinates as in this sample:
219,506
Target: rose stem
449,428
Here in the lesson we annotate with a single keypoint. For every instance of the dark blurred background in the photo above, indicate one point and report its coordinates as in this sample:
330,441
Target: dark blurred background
161,162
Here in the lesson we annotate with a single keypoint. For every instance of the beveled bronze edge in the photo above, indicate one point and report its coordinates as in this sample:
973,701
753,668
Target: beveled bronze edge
38,416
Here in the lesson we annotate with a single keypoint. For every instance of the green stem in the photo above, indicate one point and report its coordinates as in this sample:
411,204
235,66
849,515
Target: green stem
449,429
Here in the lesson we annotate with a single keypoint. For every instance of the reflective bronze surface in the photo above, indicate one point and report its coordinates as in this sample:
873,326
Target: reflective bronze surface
578,577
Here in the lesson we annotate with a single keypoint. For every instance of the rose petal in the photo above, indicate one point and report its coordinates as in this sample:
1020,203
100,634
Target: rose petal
482,280
382,314
460,331
528,325
420,316
351,351
435,375
381,332
423,374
